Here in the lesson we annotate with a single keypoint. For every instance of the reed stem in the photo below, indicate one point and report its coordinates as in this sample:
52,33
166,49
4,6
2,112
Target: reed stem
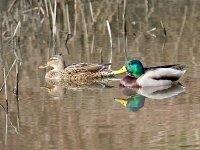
68,22
1,39
110,36
17,94
91,11
13,64
6,99
125,31
118,29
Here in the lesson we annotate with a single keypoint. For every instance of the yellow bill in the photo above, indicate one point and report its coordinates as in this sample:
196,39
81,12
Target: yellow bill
120,71
122,101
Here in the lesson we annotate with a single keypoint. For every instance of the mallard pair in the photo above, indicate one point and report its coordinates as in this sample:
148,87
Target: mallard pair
79,74
138,75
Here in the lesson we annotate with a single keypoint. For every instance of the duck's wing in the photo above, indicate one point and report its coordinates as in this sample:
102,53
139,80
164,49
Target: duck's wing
88,67
95,67
168,72
175,66
161,75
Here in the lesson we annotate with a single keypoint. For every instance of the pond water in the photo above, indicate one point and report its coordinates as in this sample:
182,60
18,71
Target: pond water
93,117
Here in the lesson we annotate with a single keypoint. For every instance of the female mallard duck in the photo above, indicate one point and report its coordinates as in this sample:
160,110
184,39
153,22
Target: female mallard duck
79,74
150,76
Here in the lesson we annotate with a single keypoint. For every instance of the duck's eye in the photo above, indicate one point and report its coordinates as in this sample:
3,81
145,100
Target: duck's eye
129,64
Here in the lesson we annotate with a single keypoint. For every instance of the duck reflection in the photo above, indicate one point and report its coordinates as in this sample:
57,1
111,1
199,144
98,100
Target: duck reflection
134,103
137,96
58,90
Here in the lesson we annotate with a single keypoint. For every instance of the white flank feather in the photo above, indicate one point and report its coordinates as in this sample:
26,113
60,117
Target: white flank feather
151,77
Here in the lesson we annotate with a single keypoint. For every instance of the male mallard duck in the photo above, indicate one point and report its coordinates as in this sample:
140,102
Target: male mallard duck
151,76
79,74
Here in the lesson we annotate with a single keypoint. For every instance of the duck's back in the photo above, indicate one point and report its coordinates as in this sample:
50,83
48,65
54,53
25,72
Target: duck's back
86,71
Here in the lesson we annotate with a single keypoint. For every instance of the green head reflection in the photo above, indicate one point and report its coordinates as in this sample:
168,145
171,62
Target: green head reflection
134,103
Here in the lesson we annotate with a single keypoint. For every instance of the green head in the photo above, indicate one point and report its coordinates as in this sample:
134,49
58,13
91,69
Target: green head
135,68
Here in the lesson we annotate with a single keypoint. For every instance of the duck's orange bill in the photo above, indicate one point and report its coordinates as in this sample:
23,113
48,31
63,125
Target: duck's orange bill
120,71
122,101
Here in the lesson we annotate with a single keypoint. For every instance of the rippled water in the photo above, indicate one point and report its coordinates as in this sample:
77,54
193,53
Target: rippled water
91,118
